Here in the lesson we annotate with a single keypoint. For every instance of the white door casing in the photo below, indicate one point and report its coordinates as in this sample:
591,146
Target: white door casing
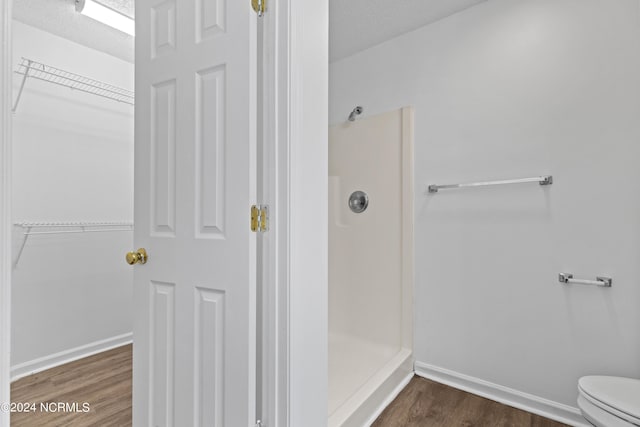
5,207
294,251
194,301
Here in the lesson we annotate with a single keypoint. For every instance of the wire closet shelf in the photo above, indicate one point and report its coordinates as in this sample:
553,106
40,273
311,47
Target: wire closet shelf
29,68
43,228
73,227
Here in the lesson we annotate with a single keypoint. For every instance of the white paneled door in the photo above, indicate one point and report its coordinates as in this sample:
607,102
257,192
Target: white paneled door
194,323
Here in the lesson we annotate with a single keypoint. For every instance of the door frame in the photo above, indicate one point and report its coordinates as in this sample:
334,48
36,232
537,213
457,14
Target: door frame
295,252
295,371
5,207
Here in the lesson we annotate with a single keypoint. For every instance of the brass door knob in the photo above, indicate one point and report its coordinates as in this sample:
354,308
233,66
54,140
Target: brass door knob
137,257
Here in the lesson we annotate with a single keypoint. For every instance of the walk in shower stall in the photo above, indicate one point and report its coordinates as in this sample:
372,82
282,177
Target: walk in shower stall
370,263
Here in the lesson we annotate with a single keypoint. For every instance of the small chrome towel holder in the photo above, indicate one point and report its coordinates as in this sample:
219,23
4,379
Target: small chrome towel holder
601,281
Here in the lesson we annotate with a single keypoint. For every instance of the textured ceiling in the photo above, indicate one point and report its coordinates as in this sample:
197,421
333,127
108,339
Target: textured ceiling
60,18
355,25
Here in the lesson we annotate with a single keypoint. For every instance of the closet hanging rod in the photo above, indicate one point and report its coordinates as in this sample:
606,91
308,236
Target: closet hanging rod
542,180
37,70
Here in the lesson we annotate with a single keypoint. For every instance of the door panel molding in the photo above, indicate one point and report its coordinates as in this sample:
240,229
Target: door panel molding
161,359
163,158
210,152
209,346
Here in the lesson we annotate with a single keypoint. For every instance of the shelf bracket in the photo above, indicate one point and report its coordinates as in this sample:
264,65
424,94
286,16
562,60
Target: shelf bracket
25,237
24,80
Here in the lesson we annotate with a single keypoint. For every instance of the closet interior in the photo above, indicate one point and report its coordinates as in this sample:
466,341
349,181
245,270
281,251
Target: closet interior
72,200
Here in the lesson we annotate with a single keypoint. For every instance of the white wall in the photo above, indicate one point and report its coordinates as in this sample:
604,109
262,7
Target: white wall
73,161
509,89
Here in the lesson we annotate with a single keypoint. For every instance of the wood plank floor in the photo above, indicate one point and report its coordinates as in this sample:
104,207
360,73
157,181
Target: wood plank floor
102,380
425,403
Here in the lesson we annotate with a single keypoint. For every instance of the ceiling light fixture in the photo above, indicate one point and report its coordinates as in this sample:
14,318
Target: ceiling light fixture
106,15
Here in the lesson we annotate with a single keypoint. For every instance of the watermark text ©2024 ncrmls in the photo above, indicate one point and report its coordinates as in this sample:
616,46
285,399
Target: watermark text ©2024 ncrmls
67,407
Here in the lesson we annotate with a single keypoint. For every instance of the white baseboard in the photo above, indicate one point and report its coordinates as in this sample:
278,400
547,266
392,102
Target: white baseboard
508,396
47,362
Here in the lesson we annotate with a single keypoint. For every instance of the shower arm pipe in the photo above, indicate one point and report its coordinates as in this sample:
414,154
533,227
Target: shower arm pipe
601,281
542,180
356,112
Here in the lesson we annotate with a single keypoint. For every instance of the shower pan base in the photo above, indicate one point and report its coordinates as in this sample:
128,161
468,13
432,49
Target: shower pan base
365,378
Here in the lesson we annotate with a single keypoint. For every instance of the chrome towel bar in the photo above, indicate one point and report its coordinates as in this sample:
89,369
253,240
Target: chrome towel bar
542,180
604,282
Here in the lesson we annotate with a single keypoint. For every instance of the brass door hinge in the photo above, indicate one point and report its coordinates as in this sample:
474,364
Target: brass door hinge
259,6
259,218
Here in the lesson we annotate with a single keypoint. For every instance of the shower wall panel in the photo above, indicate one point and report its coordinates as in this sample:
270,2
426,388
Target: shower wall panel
365,249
